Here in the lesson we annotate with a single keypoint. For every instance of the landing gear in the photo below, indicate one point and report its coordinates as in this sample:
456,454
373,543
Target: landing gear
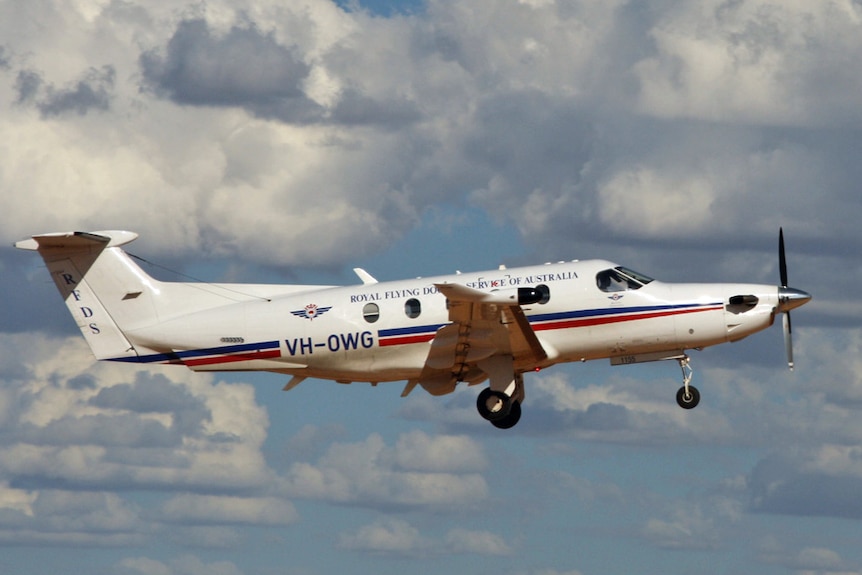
501,402
510,420
493,405
688,396
501,410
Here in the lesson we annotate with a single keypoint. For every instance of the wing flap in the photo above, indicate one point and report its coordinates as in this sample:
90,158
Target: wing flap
484,324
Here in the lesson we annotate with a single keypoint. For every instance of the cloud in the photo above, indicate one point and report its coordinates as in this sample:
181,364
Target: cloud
81,438
618,410
169,428
476,542
808,559
335,131
751,62
396,537
244,67
370,473
66,518
819,481
91,93
388,537
701,525
184,565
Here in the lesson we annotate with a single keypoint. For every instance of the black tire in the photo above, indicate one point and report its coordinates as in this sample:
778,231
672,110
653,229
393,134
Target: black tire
487,395
510,420
690,400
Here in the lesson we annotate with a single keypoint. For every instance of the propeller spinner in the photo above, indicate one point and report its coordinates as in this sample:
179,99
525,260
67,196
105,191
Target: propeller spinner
788,299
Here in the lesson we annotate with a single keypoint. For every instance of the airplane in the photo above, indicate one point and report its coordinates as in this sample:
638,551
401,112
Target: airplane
436,332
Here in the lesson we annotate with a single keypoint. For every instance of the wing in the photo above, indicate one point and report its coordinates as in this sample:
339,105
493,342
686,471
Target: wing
482,325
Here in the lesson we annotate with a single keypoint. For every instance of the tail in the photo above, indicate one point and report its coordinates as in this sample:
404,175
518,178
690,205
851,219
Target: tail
105,291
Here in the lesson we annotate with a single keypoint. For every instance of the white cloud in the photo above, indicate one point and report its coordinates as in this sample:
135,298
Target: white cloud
621,410
644,202
370,473
69,518
344,128
391,536
418,451
476,542
751,62
169,430
807,560
386,536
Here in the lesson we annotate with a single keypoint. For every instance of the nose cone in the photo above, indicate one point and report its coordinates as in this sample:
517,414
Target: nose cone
789,298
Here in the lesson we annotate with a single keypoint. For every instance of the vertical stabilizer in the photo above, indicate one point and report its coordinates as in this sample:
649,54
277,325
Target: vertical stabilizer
104,290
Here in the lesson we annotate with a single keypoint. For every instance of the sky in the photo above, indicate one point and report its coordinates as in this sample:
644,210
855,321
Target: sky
288,142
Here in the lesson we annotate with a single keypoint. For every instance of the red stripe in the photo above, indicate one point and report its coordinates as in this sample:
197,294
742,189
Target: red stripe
603,320
268,354
407,339
615,319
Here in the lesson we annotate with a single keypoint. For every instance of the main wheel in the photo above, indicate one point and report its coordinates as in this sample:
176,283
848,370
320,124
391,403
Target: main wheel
688,400
493,405
510,420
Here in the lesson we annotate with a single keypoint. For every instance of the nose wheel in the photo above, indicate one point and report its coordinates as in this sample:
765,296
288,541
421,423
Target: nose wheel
688,396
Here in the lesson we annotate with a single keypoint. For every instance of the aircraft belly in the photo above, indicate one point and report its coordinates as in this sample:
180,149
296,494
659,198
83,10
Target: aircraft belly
702,329
636,336
375,364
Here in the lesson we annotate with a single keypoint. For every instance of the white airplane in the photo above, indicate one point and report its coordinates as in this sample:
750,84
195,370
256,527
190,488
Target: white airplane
493,325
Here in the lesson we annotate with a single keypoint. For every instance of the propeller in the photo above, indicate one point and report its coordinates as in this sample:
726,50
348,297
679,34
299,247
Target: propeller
788,298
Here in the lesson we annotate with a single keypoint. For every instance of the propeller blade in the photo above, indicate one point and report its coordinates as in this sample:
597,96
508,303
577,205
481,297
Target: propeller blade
782,260
788,340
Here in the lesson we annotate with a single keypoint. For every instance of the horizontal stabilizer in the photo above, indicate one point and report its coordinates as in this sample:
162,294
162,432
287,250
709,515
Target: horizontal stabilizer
77,240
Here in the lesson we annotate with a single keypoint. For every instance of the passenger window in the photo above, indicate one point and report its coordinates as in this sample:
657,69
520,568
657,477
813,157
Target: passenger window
371,312
412,308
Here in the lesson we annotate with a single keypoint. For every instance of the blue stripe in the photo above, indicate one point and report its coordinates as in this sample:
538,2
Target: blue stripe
409,330
179,355
614,311
402,331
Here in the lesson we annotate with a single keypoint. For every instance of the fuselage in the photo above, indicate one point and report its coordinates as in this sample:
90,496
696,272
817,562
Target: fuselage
382,331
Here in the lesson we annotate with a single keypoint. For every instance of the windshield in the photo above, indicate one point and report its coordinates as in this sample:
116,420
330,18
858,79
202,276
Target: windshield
621,279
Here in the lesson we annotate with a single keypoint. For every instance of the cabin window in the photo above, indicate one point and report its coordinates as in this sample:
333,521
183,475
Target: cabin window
371,312
412,308
621,279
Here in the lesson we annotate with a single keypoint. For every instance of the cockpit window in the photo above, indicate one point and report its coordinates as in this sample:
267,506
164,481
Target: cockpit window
621,279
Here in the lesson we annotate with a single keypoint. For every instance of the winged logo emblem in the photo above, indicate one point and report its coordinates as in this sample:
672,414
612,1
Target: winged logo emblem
311,311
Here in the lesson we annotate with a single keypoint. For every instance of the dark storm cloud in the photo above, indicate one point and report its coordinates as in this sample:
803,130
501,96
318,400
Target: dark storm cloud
250,69
245,68
93,92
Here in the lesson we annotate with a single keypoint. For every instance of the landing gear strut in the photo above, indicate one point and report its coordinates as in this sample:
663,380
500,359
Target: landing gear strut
688,396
